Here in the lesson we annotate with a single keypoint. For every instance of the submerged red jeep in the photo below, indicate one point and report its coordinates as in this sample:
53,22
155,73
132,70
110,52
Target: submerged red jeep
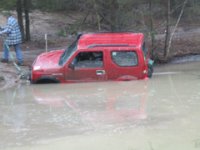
95,57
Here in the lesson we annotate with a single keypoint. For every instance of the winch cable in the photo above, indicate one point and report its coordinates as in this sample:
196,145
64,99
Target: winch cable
22,74
12,58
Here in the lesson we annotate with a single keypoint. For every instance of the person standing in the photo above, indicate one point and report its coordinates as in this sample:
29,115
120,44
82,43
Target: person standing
13,39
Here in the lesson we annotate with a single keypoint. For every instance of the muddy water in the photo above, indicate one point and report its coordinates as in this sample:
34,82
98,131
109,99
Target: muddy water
160,113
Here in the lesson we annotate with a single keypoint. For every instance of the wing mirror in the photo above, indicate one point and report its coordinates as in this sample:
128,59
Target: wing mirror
71,66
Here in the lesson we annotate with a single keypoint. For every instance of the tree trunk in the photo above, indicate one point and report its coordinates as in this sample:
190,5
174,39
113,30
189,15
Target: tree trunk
97,15
20,17
167,32
113,15
177,22
152,35
27,21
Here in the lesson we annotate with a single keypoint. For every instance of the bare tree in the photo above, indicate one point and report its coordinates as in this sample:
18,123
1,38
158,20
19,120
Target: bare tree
27,21
169,38
97,14
23,6
19,10
167,31
152,34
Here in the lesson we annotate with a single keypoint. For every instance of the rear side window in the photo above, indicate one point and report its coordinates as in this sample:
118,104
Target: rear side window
125,58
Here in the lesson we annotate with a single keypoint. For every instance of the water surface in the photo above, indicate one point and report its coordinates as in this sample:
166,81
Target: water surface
160,113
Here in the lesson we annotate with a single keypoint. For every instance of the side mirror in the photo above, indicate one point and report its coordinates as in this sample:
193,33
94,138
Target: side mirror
71,66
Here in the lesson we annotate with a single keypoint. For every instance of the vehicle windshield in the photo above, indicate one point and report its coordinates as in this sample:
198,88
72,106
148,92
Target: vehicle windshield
68,52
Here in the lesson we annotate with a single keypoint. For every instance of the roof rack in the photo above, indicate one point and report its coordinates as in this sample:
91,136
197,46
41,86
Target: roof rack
109,45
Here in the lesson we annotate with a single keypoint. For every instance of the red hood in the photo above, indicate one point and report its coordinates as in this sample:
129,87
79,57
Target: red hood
49,59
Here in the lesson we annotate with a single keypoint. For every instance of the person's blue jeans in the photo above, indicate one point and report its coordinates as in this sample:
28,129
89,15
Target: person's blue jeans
18,52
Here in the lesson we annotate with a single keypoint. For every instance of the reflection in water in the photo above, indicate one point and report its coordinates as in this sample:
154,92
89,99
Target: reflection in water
15,114
46,111
97,105
160,113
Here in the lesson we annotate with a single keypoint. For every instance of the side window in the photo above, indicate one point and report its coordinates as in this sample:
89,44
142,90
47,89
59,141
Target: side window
125,58
89,60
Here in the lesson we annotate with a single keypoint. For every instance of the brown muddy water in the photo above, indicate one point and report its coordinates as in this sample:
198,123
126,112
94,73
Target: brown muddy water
162,113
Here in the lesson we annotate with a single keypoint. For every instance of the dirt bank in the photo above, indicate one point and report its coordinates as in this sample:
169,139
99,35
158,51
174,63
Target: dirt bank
9,76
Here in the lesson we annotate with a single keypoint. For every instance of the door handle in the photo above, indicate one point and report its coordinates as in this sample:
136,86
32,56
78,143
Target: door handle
100,72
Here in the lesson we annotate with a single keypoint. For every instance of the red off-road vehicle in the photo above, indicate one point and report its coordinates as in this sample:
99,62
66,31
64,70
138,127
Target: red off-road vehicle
95,57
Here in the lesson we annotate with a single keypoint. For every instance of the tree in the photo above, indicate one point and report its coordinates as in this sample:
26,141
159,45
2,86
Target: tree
27,21
167,31
168,37
23,6
152,34
107,10
19,10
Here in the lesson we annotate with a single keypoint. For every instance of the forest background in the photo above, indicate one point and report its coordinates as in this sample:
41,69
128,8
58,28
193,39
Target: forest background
172,27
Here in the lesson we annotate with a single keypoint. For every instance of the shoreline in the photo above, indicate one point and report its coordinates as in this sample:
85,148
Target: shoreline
9,77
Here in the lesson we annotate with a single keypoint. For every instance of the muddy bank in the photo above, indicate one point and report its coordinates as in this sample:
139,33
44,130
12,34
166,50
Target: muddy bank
10,75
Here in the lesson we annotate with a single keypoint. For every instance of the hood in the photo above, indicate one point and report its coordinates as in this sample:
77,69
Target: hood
48,59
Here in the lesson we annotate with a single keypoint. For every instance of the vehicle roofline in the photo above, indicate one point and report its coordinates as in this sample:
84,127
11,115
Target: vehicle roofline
102,32
82,37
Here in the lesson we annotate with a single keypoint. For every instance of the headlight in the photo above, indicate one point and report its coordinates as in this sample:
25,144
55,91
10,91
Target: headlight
35,68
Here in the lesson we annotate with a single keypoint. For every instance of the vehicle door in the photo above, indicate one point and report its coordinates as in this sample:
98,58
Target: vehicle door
126,64
86,66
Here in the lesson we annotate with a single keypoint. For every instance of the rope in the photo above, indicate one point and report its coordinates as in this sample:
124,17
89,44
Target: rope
22,74
12,57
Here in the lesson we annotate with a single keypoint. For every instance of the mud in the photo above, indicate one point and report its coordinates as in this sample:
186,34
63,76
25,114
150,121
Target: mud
10,75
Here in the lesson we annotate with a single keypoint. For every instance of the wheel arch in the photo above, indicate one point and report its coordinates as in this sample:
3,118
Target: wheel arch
46,80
